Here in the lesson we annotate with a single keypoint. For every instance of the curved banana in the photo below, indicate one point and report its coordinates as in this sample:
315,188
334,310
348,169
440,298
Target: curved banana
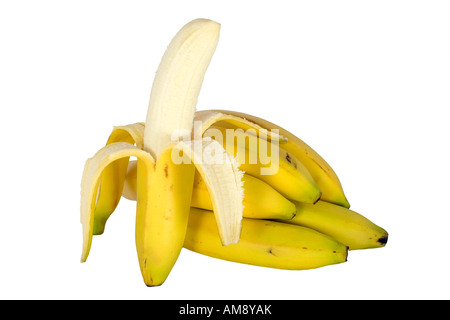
261,201
344,225
320,170
165,169
265,243
263,159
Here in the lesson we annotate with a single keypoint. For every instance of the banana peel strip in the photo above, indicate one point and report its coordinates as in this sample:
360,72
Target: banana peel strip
223,179
113,176
208,118
92,173
134,131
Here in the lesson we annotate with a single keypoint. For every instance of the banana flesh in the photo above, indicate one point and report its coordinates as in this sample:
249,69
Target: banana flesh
177,84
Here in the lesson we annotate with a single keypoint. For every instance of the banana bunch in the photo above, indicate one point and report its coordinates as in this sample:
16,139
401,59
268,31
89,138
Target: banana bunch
225,184
270,198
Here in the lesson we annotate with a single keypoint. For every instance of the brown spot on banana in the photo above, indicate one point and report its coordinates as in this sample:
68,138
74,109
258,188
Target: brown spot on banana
166,170
383,240
288,158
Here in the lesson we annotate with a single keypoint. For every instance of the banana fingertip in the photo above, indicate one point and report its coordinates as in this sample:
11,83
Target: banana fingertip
383,240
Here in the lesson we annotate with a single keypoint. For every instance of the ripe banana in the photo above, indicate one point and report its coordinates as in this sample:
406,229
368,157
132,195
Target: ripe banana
261,201
165,167
344,225
320,170
263,159
265,243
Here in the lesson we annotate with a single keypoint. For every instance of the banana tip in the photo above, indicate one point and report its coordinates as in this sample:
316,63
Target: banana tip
318,198
383,240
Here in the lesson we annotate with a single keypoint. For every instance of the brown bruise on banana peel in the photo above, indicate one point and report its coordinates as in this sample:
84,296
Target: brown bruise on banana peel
288,159
166,171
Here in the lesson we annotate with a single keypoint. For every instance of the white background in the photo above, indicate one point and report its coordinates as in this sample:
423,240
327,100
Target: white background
365,83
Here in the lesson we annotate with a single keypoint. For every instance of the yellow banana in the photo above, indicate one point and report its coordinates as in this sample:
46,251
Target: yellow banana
261,201
320,170
165,167
264,160
344,225
265,243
